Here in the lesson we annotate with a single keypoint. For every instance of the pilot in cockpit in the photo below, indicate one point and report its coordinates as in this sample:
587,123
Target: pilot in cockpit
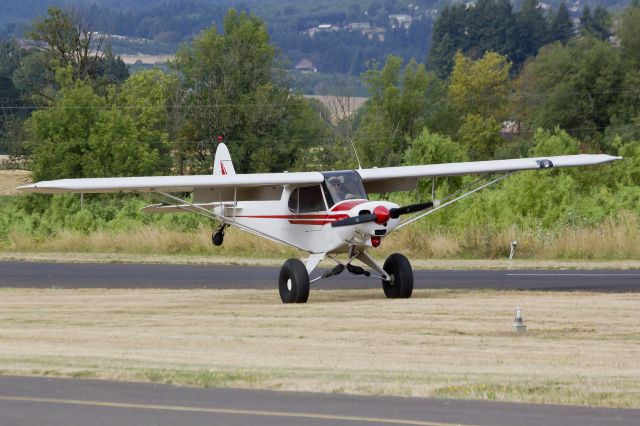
338,189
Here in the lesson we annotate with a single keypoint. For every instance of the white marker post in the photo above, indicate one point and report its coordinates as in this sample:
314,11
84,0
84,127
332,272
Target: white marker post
518,322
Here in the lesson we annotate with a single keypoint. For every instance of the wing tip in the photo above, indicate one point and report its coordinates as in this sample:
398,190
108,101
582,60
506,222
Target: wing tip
27,188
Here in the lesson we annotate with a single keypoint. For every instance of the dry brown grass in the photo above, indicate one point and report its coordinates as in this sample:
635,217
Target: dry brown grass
11,179
580,348
151,240
147,59
616,239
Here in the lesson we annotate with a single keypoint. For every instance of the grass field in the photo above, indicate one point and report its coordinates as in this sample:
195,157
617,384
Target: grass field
615,240
580,348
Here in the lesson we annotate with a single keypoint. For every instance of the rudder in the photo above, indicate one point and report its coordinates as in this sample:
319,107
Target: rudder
222,164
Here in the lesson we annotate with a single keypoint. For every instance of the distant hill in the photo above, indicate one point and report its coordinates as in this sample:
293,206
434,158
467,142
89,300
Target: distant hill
336,36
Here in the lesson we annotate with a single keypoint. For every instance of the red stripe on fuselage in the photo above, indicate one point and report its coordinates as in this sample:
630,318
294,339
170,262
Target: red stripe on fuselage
347,205
303,219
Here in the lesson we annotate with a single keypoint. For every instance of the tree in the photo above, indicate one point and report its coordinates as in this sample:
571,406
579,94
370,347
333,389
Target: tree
84,134
13,109
490,25
234,87
403,102
561,27
67,38
596,24
532,30
480,136
64,39
575,87
433,148
629,34
448,36
481,87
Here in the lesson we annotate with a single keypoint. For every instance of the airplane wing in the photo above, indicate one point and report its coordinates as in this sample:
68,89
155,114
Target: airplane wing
376,180
405,178
172,183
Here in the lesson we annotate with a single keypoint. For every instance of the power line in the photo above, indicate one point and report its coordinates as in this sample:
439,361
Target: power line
506,97
323,141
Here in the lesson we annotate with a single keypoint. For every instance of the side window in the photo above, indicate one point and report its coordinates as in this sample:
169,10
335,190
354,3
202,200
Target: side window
293,201
306,199
310,199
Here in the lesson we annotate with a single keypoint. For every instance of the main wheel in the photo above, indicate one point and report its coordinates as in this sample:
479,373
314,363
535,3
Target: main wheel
294,282
401,284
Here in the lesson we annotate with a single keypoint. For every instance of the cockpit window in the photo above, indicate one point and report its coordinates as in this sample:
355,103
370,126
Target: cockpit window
339,186
306,199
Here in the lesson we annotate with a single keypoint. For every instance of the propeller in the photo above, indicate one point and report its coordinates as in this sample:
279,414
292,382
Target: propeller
362,218
411,208
381,214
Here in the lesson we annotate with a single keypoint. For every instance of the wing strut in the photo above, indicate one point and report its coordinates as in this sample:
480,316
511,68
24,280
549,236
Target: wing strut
195,208
413,218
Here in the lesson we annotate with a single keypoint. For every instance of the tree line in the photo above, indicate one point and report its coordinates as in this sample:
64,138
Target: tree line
492,25
232,85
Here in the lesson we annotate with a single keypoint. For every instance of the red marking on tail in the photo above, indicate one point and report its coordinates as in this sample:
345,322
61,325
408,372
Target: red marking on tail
224,171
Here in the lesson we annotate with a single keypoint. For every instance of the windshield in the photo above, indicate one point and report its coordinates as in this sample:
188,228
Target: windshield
339,186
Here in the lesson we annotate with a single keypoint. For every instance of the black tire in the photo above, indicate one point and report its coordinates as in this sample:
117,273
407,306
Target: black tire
401,284
294,282
217,238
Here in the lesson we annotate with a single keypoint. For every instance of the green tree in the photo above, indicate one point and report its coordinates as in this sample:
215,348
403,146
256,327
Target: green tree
433,148
234,86
629,34
532,30
576,87
67,38
482,86
403,102
84,134
561,27
64,39
13,109
448,36
147,98
596,24
490,25
481,136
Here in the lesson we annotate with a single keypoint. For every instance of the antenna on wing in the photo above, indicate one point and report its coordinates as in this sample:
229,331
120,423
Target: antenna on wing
355,152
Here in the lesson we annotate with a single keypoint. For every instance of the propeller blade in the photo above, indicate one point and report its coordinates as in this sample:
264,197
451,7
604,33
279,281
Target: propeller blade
411,208
370,217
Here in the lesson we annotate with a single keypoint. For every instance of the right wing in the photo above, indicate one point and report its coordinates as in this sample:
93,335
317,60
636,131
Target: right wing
405,178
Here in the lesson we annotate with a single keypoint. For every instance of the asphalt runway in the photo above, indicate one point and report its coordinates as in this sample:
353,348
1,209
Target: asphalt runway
33,401
77,275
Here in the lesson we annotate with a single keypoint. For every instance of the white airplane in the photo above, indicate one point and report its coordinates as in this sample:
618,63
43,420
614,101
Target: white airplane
321,213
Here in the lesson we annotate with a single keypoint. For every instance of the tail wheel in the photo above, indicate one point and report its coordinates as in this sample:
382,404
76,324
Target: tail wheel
217,238
401,284
294,282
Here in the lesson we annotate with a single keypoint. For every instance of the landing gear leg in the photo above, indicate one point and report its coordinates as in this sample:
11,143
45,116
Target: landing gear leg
400,286
217,238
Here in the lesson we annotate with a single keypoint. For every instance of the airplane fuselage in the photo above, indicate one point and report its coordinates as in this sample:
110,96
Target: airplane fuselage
310,228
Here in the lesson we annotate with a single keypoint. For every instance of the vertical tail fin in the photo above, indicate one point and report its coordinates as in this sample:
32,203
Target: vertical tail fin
222,164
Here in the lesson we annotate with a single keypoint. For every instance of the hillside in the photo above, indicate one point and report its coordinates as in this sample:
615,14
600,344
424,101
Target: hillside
340,37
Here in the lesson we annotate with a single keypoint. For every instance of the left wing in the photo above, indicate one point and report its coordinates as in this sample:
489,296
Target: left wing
172,183
405,178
